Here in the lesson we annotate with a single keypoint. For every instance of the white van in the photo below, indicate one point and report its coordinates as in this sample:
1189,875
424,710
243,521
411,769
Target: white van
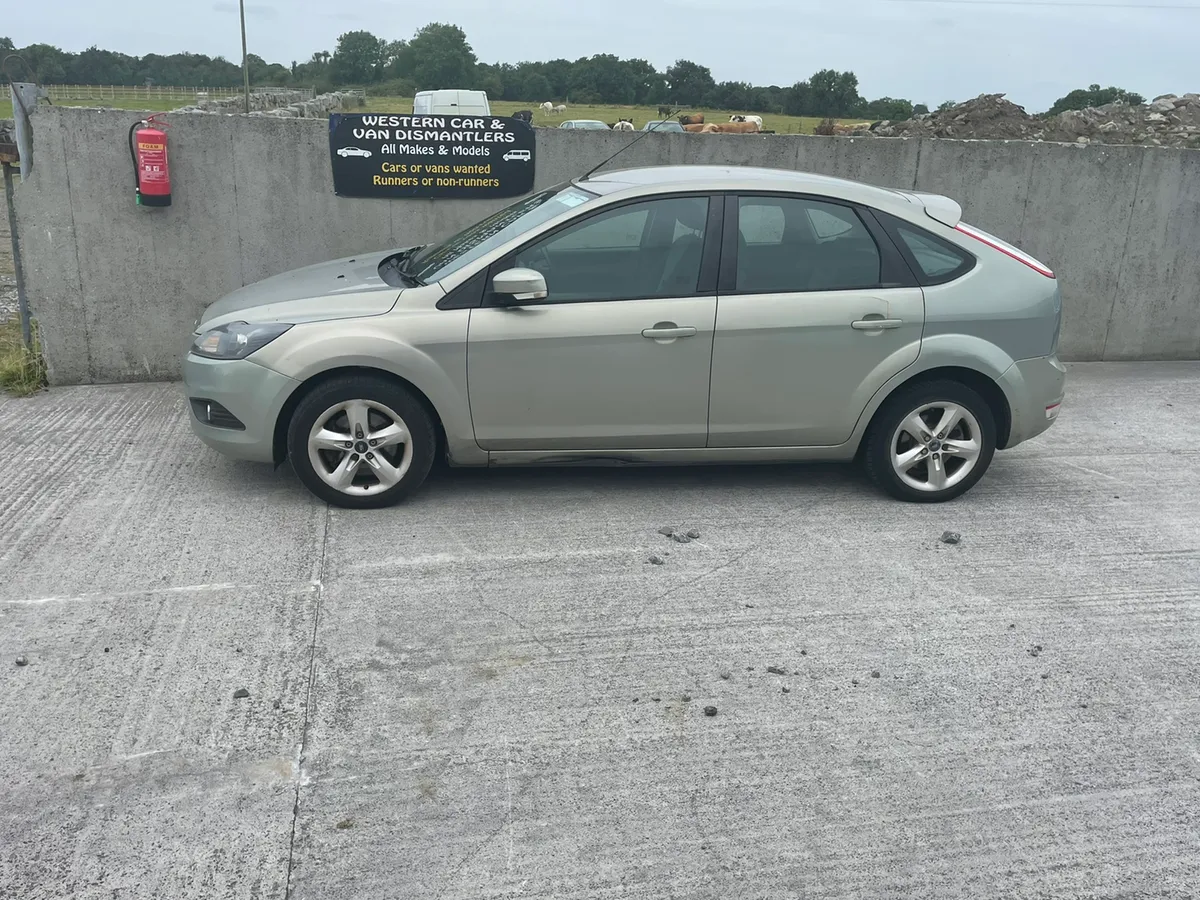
445,103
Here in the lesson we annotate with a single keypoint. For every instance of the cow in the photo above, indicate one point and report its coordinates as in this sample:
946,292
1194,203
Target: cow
624,125
736,128
695,129
547,107
523,115
757,120
691,120
560,109
664,111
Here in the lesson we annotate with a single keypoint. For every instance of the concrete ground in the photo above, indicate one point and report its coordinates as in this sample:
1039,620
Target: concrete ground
489,692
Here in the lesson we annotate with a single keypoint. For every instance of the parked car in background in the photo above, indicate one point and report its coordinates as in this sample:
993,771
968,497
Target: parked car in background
585,124
662,125
681,314
451,102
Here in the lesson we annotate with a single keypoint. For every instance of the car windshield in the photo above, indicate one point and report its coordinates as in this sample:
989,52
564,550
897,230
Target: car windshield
436,261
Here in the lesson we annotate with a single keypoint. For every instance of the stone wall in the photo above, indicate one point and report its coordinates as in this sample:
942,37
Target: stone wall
280,104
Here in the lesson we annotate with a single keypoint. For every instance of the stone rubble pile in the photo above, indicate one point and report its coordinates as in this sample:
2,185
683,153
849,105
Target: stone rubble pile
1168,121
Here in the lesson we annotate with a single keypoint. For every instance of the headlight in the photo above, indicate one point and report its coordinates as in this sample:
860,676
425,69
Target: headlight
236,340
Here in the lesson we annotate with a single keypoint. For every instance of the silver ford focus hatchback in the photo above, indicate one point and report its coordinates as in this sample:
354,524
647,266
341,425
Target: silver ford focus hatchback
684,314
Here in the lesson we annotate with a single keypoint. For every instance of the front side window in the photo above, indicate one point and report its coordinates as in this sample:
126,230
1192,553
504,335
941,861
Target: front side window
793,244
640,251
436,261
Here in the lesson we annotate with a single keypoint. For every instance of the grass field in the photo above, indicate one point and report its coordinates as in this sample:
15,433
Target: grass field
640,114
119,101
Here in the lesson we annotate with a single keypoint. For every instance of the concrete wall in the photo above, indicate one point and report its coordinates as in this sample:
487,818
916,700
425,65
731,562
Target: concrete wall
116,287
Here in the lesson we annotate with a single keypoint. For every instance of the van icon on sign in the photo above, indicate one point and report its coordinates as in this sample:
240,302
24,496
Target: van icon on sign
522,155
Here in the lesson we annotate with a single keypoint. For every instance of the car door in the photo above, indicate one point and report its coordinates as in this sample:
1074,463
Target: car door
815,311
618,355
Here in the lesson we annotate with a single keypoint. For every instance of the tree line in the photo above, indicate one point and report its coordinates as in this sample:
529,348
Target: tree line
439,56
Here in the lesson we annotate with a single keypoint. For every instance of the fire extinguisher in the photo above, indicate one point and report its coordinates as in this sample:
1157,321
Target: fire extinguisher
151,172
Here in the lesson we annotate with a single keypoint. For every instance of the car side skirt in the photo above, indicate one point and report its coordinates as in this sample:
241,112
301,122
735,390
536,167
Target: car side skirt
693,456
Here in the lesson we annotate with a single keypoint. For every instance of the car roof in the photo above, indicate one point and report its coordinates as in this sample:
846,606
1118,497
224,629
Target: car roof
741,178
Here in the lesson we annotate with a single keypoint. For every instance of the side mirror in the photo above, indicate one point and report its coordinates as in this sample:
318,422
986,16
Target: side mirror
520,285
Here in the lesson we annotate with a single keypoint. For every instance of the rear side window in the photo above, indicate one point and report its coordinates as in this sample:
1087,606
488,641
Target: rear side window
798,244
935,260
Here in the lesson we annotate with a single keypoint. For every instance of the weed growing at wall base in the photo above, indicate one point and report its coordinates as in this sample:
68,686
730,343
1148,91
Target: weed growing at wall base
22,371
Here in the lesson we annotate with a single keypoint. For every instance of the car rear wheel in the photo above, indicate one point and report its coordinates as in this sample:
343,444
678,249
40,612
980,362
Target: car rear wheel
361,442
930,442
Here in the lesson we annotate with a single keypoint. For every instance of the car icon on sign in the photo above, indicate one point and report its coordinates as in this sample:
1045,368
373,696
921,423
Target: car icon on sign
522,155
354,151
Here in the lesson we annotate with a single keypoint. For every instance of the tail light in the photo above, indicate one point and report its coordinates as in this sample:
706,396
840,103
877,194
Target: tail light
1007,249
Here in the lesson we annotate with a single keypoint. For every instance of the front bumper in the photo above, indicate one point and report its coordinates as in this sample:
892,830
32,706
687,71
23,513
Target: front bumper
1035,389
253,394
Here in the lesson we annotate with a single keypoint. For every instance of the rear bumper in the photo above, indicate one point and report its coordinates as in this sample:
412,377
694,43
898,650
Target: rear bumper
1035,389
254,395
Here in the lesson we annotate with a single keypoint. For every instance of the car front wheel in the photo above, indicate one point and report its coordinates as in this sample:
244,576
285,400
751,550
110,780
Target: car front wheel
361,442
930,442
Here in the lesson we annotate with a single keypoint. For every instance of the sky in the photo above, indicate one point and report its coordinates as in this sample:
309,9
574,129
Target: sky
926,51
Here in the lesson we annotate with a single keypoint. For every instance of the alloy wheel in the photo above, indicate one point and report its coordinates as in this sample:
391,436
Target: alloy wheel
360,447
936,446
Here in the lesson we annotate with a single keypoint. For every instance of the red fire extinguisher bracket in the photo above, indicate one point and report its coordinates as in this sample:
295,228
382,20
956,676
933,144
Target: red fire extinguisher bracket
151,168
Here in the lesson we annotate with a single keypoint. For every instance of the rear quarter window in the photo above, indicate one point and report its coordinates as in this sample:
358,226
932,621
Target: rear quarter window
933,260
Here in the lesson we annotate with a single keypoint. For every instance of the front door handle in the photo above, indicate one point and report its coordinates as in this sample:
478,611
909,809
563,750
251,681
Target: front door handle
665,331
869,324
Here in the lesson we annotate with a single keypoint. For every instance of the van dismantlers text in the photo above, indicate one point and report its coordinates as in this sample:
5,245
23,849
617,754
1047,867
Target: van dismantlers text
440,128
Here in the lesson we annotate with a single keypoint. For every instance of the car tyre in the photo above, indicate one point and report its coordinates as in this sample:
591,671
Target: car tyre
361,441
907,456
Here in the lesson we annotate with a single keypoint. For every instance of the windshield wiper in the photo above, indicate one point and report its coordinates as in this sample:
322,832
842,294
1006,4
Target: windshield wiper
403,264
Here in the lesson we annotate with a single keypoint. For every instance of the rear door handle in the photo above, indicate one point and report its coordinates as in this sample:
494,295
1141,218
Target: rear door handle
876,324
667,332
